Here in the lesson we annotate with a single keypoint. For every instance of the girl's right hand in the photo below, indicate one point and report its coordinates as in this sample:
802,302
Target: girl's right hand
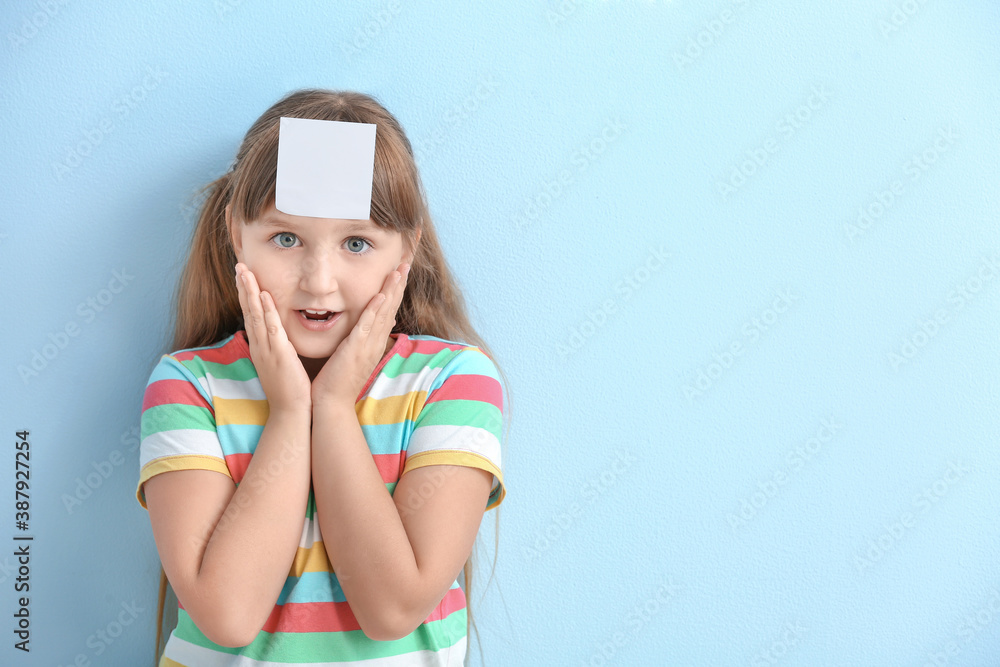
282,376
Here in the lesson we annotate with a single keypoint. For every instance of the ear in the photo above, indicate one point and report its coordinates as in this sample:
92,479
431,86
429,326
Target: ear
235,233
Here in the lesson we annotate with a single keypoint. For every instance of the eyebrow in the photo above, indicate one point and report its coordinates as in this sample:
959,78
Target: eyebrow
366,226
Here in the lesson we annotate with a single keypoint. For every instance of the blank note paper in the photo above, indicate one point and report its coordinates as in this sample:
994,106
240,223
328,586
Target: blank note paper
325,168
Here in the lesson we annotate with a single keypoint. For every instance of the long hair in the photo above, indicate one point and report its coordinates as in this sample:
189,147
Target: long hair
207,303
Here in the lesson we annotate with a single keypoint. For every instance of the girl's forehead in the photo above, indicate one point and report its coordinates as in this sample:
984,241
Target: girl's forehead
272,218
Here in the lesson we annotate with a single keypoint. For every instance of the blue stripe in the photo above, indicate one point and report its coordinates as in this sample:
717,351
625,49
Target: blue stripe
240,438
381,438
385,438
317,587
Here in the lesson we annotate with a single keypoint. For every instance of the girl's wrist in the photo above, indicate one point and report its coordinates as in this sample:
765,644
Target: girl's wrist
291,413
331,403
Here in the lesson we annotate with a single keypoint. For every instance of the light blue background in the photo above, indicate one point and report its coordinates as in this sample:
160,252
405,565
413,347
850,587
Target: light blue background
622,485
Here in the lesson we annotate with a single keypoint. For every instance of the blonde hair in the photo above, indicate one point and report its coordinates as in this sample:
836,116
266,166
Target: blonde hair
207,304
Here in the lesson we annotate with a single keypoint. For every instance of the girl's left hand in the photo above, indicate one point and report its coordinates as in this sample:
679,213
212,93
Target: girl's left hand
345,373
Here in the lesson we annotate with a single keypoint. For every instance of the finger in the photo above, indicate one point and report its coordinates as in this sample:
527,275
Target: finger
272,321
241,289
371,330
257,312
387,310
401,287
367,320
395,296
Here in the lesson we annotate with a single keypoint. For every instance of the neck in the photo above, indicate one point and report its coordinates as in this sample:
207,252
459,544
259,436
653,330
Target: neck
314,366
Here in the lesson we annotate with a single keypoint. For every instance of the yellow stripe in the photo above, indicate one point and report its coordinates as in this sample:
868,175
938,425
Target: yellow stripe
181,462
454,457
240,411
451,457
370,411
313,559
391,409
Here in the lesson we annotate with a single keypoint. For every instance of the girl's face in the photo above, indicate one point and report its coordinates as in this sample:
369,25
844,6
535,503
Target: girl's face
317,264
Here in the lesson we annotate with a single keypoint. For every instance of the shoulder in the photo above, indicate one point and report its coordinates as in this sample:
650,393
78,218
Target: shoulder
458,378
443,357
227,359
226,352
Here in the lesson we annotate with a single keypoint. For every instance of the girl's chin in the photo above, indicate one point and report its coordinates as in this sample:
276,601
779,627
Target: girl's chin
315,353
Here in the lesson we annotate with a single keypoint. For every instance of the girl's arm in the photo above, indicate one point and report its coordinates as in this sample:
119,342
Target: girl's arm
394,556
226,549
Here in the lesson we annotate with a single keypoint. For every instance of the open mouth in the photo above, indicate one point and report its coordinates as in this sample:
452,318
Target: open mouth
316,320
318,316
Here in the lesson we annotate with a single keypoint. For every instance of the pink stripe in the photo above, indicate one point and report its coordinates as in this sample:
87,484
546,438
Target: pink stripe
338,617
164,392
454,600
430,347
237,464
311,617
226,354
388,466
469,388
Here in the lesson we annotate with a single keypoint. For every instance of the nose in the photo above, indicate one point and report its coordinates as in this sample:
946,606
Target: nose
318,274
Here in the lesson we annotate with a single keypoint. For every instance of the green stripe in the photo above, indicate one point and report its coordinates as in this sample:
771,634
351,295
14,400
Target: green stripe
172,416
475,362
240,369
416,362
189,632
461,412
323,646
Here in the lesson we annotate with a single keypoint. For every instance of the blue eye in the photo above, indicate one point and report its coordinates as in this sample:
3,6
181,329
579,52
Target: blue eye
352,244
356,245
284,235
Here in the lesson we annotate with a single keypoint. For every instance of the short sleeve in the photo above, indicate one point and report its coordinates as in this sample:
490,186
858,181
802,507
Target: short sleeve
177,427
461,420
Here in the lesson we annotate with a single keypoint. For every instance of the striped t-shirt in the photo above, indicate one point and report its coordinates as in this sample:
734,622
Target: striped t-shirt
429,401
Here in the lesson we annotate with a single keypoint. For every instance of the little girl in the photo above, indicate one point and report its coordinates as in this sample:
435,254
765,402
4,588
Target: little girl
316,375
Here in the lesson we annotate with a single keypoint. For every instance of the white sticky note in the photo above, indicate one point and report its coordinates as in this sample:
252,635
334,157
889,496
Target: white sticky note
325,168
